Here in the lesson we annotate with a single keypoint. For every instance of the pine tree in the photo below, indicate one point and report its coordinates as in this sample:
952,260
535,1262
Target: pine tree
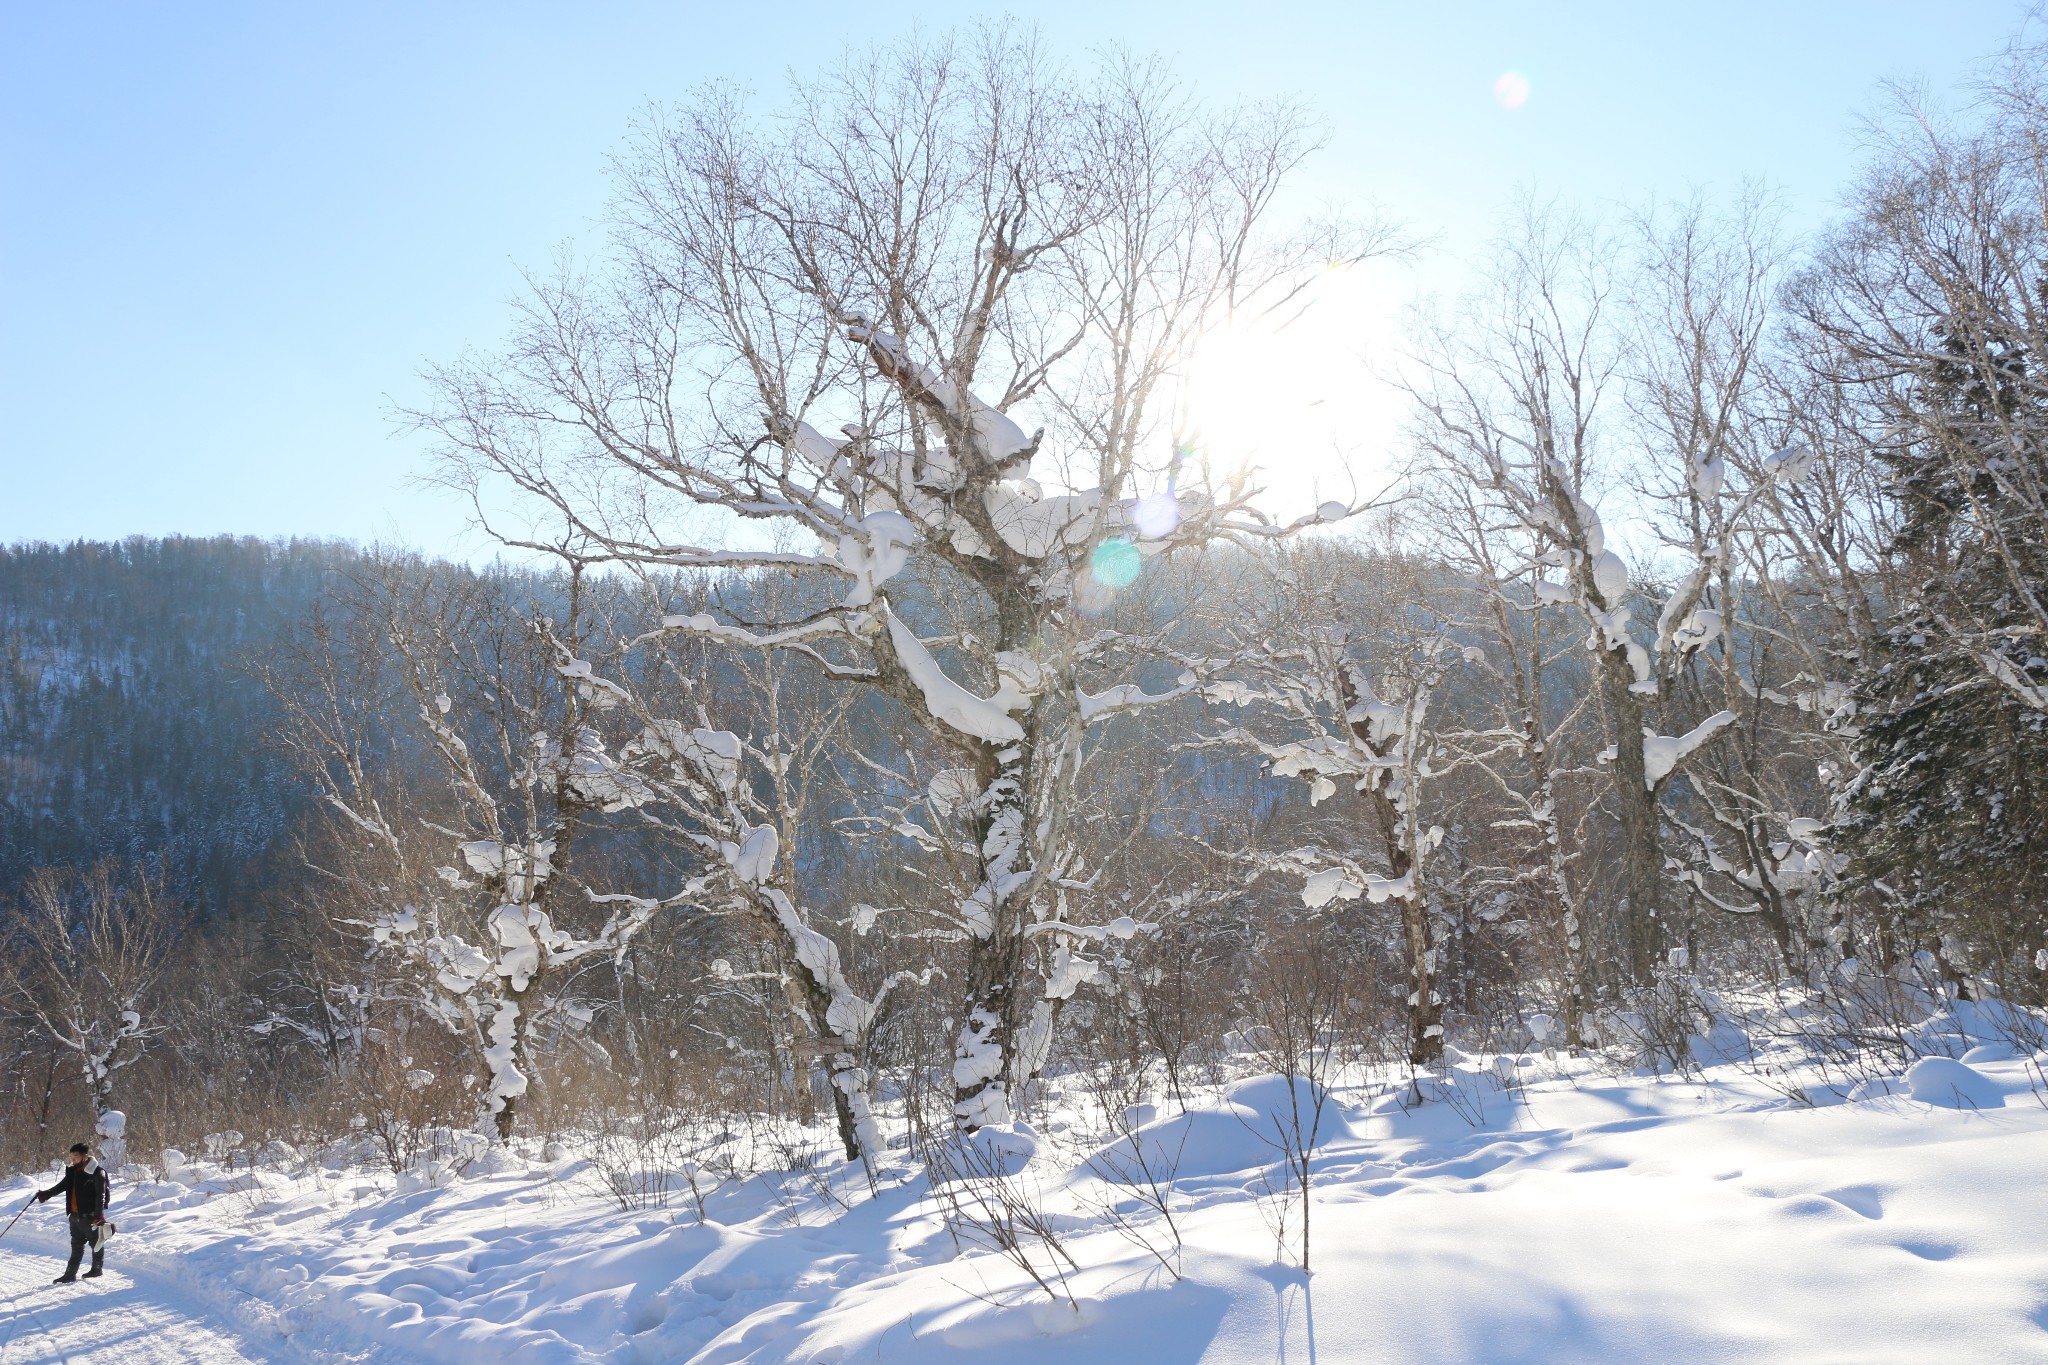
1945,817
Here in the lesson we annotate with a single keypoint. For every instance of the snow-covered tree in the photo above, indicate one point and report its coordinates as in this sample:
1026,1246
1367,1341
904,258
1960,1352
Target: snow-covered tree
1524,732
936,240
1514,405
86,959
731,800
1778,609
1346,710
465,830
1927,311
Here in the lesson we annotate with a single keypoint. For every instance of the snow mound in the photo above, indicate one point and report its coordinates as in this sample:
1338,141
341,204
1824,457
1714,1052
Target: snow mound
1246,1133
1277,1099
993,1149
1953,1085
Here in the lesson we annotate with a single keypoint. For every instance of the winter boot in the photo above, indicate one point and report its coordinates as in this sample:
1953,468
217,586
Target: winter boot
65,1279
92,1274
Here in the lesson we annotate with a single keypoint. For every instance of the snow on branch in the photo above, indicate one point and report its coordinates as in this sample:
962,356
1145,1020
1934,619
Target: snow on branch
983,718
1663,753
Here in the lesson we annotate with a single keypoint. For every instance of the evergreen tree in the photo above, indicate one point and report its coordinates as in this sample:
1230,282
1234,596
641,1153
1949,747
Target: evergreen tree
1945,817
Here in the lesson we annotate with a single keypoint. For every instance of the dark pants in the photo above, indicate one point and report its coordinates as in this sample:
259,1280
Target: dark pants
81,1238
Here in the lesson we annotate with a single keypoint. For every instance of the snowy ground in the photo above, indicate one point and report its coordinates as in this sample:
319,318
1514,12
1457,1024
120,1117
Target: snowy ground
116,1318
1565,1215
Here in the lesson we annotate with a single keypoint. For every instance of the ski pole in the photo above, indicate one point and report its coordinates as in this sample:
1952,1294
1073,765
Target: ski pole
17,1217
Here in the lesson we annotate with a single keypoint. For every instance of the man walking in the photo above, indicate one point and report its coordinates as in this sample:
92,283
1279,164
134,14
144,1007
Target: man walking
85,1189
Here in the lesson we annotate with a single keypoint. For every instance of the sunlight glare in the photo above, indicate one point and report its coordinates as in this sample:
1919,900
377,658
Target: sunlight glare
1308,403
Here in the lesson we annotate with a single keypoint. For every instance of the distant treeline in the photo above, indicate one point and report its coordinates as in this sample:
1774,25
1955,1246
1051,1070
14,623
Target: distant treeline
128,726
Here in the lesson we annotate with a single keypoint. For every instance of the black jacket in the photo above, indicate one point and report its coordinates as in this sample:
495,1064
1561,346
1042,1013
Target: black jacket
85,1190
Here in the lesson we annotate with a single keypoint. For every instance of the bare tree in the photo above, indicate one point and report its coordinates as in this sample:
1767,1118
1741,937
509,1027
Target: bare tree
1920,324
1352,700
461,860
88,957
938,237
1522,734
696,785
1932,288
1297,1000
1517,412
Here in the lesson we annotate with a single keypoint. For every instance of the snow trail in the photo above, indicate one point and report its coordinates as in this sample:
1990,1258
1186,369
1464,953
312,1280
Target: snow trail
115,1320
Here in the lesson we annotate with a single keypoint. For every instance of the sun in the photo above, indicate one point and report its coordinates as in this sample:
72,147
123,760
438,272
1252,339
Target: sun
1306,400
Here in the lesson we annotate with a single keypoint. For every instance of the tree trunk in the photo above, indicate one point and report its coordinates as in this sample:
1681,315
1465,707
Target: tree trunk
513,1040
991,1028
1425,1002
838,1055
984,1054
1418,934
982,1061
1574,994
1398,840
1642,878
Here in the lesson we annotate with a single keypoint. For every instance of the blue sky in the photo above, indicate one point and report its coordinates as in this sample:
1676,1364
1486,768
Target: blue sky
231,235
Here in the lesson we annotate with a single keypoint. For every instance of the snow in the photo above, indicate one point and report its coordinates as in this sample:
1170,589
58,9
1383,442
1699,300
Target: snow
462,964
1662,753
753,856
999,438
1956,1085
1790,465
1708,475
1610,576
876,554
712,754
1699,629
1524,1207
985,718
1122,697
1335,883
1328,884
508,1082
1035,525
1238,1134
1070,971
121,1318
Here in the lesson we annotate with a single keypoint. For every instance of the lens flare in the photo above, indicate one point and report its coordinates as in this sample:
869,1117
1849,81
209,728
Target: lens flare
1156,515
1116,563
1511,90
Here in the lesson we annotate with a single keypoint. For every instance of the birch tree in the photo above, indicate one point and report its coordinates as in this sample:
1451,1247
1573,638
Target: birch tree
1516,406
1779,588
1524,734
466,815
87,961
931,241
1344,706
733,803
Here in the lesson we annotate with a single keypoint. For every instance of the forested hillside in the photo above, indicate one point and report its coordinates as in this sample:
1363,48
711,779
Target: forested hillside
129,727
